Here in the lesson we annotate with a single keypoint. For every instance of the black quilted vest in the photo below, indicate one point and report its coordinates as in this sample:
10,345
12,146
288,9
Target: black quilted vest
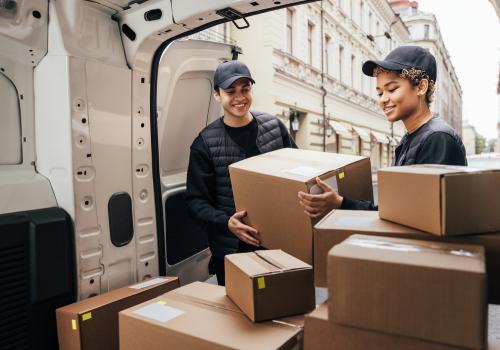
223,152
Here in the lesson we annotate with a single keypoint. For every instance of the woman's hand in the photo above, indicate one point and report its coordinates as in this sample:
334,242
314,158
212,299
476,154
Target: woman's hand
318,205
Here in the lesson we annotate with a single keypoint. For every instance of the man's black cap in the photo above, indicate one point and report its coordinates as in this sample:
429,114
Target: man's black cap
405,57
228,72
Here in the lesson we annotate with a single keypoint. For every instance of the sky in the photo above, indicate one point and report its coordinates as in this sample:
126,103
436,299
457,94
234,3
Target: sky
471,33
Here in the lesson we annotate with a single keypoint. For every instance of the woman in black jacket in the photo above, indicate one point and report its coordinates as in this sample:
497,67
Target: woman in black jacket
406,81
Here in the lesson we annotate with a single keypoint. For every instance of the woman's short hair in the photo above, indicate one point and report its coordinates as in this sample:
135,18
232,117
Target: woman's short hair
414,76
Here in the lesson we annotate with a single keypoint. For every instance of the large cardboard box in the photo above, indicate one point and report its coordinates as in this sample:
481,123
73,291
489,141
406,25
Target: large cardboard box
92,324
269,284
320,334
440,199
427,290
266,186
338,225
200,316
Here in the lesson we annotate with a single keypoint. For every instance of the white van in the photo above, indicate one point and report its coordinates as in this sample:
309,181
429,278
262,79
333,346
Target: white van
100,100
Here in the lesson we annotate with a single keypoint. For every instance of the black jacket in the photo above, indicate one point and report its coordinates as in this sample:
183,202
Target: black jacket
209,193
435,142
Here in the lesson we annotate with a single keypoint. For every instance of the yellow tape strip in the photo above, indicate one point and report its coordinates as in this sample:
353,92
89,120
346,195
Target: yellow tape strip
87,316
341,175
162,302
73,325
261,282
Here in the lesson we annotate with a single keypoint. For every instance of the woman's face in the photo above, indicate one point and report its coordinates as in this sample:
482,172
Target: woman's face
397,97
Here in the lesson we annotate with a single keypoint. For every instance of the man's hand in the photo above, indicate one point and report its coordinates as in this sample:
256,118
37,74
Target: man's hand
244,232
318,205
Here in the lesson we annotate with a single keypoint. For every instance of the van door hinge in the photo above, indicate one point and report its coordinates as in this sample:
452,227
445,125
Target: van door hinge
233,15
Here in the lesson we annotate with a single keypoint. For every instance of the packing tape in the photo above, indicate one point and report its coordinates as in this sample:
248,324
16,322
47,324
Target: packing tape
73,325
162,302
87,316
341,175
410,247
261,282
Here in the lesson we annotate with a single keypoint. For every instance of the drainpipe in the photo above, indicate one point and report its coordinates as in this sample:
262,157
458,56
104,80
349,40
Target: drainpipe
323,89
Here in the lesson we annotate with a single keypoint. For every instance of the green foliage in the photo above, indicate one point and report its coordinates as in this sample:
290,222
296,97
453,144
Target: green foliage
480,144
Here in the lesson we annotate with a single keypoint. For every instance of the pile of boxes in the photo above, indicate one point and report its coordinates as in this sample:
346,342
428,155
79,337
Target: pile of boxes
409,282
263,289
418,274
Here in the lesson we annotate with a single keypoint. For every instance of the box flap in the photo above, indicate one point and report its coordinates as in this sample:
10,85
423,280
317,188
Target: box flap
262,262
461,257
295,164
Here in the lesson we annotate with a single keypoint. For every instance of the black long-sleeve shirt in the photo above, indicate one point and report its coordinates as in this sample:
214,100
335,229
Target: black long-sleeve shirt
438,148
201,174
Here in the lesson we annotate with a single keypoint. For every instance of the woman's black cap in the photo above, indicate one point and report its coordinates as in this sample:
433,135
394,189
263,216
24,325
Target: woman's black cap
228,72
405,57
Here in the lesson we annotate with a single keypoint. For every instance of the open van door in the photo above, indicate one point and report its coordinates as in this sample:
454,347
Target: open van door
179,77
185,106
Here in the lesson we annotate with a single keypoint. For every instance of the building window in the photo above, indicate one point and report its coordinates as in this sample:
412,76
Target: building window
289,31
310,29
361,14
426,31
327,54
353,63
341,59
370,17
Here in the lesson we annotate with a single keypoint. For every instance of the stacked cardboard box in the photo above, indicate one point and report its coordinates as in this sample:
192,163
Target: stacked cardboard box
92,324
201,316
266,186
418,289
440,199
338,225
390,293
321,334
269,284
413,286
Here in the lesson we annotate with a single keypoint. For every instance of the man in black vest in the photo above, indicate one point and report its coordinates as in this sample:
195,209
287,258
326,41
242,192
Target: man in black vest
237,135
405,85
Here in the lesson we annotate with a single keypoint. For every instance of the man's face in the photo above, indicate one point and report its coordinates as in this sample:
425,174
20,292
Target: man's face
236,99
397,97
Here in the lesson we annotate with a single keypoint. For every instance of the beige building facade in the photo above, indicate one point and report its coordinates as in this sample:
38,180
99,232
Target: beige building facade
307,60
469,138
425,32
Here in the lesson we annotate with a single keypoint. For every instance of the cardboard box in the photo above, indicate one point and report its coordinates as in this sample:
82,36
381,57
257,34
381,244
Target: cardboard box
320,334
266,186
443,200
92,324
200,316
340,224
427,290
269,284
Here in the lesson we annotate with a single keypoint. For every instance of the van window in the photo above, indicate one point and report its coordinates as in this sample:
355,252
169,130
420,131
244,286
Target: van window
10,124
189,113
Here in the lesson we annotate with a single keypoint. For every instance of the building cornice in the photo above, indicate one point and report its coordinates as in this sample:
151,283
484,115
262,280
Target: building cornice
310,77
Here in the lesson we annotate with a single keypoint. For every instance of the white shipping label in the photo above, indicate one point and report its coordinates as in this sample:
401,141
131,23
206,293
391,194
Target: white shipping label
304,171
149,283
159,312
331,181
